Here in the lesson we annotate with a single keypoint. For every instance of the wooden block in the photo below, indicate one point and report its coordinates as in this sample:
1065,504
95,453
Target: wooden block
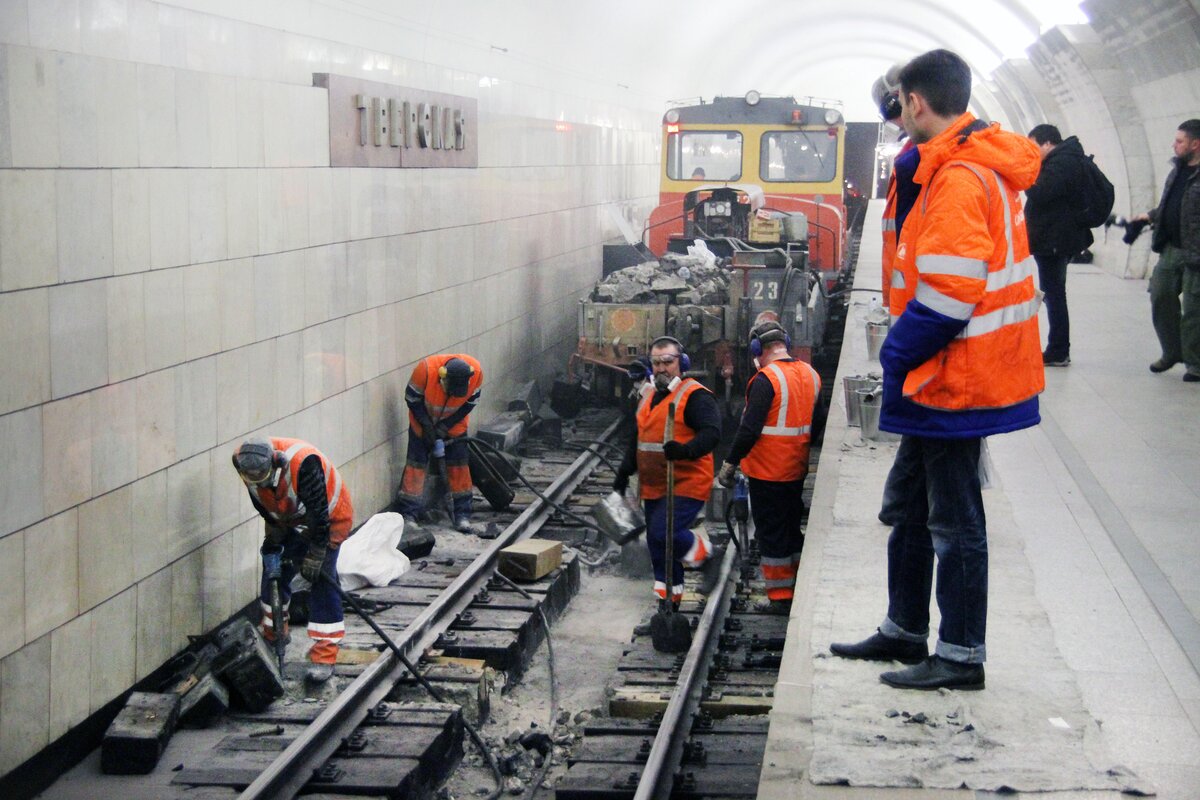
530,559
137,737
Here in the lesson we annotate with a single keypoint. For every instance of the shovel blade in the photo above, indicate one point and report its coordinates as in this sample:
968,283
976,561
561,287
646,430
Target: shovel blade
670,633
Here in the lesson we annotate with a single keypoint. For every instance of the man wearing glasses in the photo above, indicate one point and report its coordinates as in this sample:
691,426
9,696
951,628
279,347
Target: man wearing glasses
697,431
308,514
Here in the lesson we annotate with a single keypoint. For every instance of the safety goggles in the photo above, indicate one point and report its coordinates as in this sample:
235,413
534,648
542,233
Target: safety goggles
663,361
265,482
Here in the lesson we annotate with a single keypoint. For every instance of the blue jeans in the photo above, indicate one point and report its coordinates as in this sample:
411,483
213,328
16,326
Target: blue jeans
933,501
1052,275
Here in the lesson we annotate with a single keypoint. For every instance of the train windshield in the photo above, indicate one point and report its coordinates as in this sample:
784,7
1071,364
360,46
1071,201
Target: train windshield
799,156
704,156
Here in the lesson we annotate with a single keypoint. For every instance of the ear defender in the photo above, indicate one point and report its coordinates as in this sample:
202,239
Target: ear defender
685,363
772,332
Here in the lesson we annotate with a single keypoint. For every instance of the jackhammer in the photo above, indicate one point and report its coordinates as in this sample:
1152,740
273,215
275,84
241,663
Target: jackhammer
272,557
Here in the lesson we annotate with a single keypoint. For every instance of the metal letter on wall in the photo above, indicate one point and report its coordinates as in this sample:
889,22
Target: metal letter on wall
373,124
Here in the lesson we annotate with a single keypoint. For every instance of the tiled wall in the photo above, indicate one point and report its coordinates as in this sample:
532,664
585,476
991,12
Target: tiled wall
179,267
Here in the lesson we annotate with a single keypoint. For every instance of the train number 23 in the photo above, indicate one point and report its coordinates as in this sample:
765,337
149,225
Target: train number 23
764,289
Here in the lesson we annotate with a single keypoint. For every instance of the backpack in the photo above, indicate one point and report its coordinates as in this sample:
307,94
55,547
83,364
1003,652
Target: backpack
1095,196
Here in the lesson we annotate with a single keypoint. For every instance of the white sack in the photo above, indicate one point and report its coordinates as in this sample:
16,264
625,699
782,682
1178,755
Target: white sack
370,555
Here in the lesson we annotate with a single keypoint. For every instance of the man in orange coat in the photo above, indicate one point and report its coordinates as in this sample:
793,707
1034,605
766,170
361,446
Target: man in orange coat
962,361
771,446
441,393
308,514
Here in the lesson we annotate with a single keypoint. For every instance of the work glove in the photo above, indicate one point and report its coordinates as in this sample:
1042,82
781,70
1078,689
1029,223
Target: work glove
674,451
429,436
274,536
621,483
440,431
310,567
727,475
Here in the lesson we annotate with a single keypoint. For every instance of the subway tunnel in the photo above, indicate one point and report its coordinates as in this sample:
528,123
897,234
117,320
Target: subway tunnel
190,254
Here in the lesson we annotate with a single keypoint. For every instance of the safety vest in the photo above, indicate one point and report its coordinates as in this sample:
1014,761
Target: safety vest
781,451
693,476
974,269
889,237
438,404
284,506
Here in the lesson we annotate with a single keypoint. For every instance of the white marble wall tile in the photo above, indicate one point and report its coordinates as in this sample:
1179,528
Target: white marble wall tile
191,118
54,25
330,432
77,128
320,206
126,326
116,113
250,97
340,204
131,220
319,285
207,215
24,703
360,200
324,361
230,503
144,40
85,224
353,422
105,547
29,255
33,99
261,383
148,533
189,505
241,212
114,436
202,312
246,561
165,337
158,132
70,675
276,113
218,581
14,23
271,233
169,235
112,666
222,120
155,421
154,643
187,587
104,28
67,443
24,349
12,592
288,374
294,198
320,129
235,282
21,479
380,417
233,395
195,407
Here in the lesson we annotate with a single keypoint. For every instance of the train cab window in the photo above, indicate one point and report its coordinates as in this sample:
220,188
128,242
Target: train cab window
798,156
704,156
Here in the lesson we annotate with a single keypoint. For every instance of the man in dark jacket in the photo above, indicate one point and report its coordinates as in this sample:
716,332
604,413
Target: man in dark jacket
1054,234
1176,223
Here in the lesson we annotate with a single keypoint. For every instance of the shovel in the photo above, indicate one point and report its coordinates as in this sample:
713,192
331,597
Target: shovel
670,631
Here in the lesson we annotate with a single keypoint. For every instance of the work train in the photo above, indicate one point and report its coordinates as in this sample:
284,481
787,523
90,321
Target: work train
757,182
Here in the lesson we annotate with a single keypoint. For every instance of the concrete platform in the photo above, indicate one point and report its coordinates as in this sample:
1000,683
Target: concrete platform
1093,638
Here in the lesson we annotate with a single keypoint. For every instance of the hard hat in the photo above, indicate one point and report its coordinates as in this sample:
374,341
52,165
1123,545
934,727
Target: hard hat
886,93
457,376
254,459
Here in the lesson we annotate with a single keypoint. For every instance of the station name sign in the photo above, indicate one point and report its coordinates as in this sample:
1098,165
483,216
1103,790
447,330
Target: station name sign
374,124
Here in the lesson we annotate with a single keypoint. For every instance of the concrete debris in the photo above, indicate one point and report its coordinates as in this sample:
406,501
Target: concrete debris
514,786
685,278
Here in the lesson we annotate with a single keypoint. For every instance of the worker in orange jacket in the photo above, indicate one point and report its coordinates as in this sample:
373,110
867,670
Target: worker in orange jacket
771,447
308,513
442,391
962,361
901,191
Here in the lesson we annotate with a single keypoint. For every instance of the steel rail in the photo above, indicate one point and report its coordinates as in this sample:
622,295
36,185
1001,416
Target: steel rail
667,750
288,773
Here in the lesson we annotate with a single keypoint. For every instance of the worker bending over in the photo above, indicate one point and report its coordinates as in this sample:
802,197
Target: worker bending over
308,513
697,431
441,393
771,447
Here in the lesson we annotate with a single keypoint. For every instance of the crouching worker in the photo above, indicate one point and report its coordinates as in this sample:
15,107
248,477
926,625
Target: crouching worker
697,431
442,392
308,514
771,446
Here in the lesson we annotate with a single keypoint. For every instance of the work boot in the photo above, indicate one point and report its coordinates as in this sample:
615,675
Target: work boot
710,570
936,672
319,673
462,524
1162,365
878,647
782,608
643,629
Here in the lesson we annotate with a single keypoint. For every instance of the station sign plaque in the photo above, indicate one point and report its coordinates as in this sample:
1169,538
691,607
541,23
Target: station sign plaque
374,124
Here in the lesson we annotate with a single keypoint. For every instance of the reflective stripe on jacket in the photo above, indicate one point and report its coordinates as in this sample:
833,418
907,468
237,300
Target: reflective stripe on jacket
889,237
781,451
284,507
693,476
964,255
439,405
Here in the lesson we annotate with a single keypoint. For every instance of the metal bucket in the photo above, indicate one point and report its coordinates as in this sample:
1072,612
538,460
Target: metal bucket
850,385
618,519
870,401
876,333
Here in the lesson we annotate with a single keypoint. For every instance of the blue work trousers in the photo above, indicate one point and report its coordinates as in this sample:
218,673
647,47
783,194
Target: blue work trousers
934,503
686,510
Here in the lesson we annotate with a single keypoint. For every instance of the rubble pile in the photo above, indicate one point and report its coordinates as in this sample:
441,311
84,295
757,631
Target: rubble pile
678,279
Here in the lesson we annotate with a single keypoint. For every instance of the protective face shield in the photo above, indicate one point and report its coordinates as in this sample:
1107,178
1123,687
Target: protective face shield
455,376
257,463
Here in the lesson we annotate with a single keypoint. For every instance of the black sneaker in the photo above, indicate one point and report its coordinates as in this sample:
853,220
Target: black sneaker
936,672
1047,361
710,570
878,647
1191,377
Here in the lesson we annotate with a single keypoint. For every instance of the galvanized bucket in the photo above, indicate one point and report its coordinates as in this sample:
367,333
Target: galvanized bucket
876,333
850,386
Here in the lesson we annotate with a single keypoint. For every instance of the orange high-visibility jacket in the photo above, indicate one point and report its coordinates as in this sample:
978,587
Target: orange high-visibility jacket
889,237
964,254
781,451
285,508
693,476
424,381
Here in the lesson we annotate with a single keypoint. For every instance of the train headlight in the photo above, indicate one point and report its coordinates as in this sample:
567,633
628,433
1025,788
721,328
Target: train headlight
832,117
720,209
673,116
752,97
